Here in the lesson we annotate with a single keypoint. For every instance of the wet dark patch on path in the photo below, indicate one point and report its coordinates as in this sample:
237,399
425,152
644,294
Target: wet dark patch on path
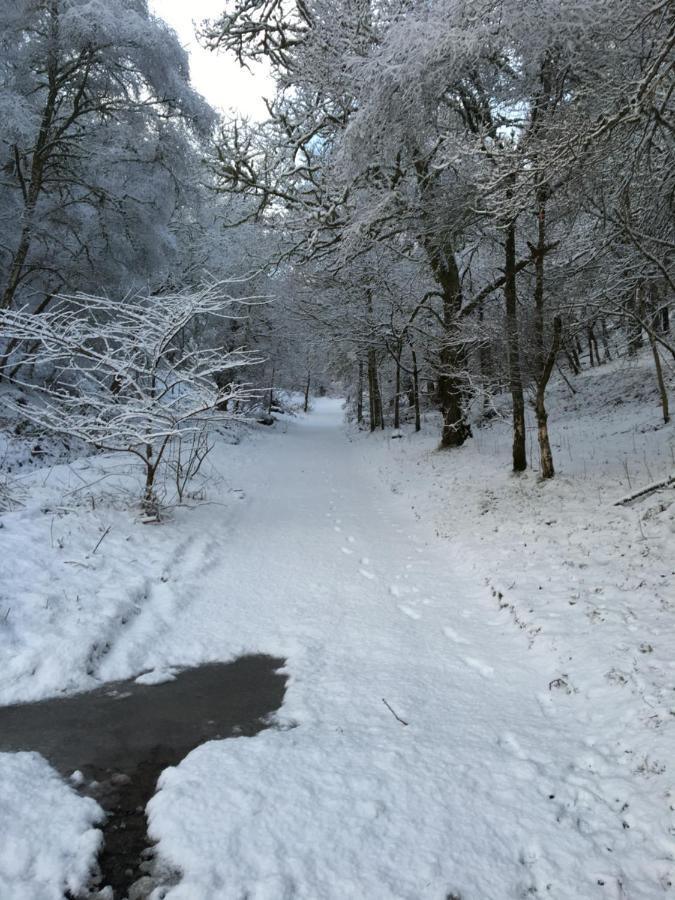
121,736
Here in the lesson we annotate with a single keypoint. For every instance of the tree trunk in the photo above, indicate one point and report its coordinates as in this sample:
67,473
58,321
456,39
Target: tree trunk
572,357
397,388
593,352
149,500
270,399
513,344
546,456
379,412
372,406
543,362
307,385
416,390
41,152
359,395
451,357
659,378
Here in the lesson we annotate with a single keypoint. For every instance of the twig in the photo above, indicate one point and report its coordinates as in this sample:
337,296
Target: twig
397,717
100,541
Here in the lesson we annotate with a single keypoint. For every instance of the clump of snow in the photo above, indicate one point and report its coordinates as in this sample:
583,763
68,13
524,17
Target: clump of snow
48,842
157,676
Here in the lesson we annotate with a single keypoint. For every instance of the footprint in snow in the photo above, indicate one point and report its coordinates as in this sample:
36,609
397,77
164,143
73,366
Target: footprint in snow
337,528
366,574
346,551
351,539
483,668
452,634
365,561
409,612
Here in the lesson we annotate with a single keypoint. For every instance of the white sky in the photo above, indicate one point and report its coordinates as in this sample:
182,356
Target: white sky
215,75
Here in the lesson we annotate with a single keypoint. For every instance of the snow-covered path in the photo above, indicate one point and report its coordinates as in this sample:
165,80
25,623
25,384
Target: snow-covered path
489,791
500,785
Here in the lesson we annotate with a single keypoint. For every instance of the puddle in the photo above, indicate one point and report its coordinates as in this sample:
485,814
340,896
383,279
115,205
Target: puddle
121,736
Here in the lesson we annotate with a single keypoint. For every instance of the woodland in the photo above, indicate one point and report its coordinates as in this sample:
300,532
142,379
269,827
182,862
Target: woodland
447,203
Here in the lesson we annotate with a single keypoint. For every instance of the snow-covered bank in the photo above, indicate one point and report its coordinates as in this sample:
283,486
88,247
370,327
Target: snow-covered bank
525,767
48,842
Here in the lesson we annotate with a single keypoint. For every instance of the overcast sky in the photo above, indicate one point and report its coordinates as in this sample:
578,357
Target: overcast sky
220,79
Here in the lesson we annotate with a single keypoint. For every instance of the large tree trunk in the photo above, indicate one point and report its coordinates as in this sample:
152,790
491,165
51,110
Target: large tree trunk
375,397
452,361
513,345
451,357
544,362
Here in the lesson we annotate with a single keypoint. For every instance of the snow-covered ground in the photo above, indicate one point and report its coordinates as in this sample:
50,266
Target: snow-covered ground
481,668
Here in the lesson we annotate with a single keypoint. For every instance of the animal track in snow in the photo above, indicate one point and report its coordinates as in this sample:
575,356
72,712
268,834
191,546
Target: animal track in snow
409,612
337,528
485,670
366,574
351,539
365,561
346,550
452,634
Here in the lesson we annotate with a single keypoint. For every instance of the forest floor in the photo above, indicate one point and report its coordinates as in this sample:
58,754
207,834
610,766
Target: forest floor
481,667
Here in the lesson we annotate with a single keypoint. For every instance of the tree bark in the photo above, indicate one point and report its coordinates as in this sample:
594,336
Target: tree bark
546,456
416,390
307,386
513,345
270,399
379,412
543,363
372,388
359,395
451,357
659,378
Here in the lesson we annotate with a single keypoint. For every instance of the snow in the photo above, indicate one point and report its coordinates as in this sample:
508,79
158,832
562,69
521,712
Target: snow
522,631
48,842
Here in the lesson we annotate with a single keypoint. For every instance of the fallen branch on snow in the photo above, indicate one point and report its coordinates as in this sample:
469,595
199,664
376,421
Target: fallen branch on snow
646,491
397,717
